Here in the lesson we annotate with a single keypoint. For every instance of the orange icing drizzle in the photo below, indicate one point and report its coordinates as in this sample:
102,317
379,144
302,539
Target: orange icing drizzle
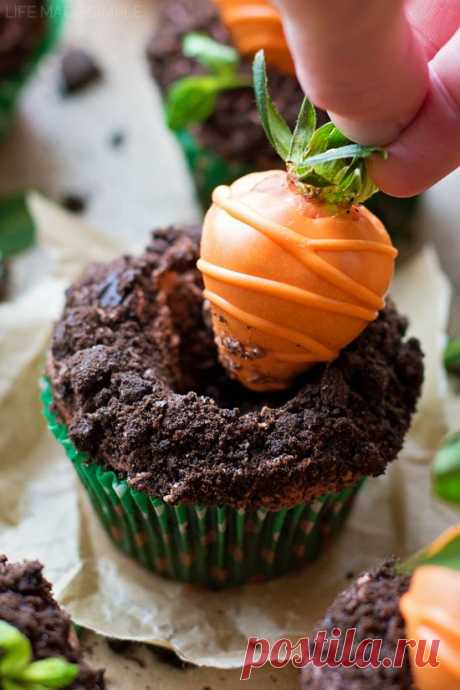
238,292
291,293
255,24
304,249
318,351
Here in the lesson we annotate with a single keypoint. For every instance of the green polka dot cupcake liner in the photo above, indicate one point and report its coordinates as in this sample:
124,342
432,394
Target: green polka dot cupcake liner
211,546
11,87
208,169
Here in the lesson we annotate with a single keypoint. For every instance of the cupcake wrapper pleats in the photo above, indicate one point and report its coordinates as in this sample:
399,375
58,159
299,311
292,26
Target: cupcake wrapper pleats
206,545
10,88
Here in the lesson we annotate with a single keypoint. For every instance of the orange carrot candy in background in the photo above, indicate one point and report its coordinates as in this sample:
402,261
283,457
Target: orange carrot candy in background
256,25
294,266
431,610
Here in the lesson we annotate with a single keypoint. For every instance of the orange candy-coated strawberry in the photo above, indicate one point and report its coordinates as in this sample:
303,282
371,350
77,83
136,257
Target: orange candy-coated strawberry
294,268
290,281
255,24
431,610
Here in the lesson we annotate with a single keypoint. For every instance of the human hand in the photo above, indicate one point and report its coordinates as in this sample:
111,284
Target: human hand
388,72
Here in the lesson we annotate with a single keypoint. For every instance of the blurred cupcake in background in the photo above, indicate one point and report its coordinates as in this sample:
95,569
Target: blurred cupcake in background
39,648
28,30
227,141
201,55
415,602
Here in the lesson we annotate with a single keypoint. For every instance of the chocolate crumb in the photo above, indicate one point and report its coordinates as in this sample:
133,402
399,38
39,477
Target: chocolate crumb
117,139
74,202
78,71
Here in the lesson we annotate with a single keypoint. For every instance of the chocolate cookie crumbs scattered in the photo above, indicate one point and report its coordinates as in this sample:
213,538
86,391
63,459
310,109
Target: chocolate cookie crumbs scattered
78,71
26,602
371,605
22,26
136,378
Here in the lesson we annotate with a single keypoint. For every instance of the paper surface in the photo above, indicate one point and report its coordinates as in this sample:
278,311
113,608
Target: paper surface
63,146
40,514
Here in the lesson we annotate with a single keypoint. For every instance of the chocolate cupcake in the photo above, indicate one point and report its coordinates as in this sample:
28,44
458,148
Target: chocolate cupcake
191,474
371,606
28,30
406,612
33,628
230,142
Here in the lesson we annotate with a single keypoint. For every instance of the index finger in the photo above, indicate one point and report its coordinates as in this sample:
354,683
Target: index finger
361,61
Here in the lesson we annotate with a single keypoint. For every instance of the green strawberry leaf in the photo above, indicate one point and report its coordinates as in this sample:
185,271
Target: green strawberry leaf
323,163
191,100
353,151
348,181
17,228
275,126
336,139
7,684
446,469
51,673
303,132
446,557
452,356
217,57
16,650
321,137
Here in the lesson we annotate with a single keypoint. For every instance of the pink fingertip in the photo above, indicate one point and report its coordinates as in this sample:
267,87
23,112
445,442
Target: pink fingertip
429,149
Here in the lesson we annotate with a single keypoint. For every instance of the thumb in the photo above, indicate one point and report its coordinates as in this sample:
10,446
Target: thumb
360,61
429,148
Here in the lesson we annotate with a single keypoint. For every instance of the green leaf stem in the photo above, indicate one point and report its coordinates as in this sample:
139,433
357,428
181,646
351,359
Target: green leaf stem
192,99
446,557
216,57
452,356
446,469
275,126
17,228
322,162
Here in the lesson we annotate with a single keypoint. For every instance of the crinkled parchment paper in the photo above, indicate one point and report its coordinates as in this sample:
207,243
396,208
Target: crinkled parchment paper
42,514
